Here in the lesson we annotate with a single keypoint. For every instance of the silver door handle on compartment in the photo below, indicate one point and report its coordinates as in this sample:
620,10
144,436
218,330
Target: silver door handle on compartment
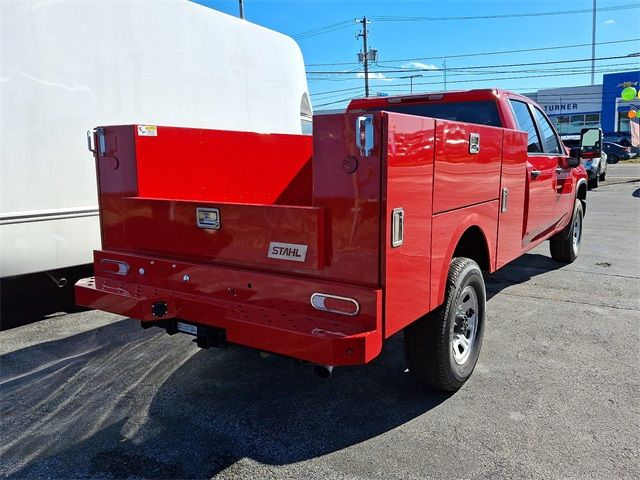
535,173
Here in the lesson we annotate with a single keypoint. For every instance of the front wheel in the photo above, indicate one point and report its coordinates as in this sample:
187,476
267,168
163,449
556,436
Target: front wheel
565,245
442,348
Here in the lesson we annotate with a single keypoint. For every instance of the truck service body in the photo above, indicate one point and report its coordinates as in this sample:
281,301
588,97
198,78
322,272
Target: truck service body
320,248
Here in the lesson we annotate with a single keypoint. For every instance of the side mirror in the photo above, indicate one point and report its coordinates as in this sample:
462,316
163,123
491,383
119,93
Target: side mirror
572,161
574,157
591,142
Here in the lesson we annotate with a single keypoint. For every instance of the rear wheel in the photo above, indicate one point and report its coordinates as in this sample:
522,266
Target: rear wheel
603,176
613,158
565,245
593,182
442,348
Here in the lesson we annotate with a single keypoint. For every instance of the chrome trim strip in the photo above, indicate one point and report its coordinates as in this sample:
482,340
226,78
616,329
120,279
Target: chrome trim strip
47,215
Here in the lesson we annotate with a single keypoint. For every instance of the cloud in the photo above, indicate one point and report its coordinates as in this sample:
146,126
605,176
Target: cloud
375,76
609,22
420,65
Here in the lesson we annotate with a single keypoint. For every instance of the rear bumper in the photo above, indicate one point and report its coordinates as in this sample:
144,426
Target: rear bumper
259,310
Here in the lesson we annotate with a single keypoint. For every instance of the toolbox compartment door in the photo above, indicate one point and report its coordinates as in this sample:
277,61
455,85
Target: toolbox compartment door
277,235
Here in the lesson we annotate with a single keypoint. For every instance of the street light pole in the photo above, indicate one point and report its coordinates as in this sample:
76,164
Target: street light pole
411,77
444,72
593,44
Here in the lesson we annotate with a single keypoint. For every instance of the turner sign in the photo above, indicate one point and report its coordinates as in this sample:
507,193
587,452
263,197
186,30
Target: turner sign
560,107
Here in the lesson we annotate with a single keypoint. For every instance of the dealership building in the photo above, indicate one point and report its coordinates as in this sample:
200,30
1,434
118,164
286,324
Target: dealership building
575,108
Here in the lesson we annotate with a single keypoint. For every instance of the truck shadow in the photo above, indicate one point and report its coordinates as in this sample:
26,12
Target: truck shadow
118,402
519,271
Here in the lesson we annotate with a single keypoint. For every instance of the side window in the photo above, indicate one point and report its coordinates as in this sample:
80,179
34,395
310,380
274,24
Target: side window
548,134
526,124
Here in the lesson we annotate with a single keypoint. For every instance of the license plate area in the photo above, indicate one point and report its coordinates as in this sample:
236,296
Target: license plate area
186,328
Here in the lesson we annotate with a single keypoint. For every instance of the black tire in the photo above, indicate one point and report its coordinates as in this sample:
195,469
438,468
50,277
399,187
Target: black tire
429,342
593,182
613,158
603,176
562,245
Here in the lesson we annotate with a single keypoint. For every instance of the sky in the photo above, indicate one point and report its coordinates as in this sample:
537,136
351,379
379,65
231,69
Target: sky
418,37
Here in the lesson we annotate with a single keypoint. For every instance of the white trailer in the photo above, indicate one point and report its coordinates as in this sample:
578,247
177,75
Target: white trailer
67,66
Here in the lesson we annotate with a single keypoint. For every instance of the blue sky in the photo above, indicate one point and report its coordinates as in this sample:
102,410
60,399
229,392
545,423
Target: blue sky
412,46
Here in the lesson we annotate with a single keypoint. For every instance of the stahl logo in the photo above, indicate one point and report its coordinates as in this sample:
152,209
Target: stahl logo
287,251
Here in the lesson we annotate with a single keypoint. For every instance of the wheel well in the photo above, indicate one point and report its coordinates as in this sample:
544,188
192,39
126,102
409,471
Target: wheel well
582,196
473,245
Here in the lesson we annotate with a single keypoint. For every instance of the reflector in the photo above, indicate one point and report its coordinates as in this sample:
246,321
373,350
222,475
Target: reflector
114,266
335,304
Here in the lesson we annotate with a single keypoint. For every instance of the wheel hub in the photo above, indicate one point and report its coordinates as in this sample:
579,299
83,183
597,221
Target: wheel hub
465,326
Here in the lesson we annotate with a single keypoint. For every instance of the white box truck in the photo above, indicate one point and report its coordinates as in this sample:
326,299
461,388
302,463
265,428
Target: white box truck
66,66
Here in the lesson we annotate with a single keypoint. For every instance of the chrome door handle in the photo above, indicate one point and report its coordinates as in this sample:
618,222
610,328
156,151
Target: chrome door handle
559,170
535,173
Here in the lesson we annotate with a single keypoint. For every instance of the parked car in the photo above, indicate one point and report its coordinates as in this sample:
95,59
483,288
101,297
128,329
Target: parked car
592,156
617,152
623,139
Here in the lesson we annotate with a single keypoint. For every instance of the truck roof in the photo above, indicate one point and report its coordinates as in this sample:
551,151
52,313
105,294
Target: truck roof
443,97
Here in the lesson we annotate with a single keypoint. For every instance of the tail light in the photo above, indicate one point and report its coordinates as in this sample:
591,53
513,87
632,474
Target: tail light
335,304
628,149
114,266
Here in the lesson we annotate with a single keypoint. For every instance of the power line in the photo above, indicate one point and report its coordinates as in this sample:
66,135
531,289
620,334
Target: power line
334,102
475,67
568,69
514,78
397,87
322,30
508,15
524,50
481,54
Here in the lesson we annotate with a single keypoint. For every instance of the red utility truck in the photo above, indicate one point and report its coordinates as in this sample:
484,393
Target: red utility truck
320,248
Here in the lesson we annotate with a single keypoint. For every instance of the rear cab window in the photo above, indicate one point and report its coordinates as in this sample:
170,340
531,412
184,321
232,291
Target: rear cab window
481,112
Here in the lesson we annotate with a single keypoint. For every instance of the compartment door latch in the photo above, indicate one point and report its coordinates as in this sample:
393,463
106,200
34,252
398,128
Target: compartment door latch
397,227
364,135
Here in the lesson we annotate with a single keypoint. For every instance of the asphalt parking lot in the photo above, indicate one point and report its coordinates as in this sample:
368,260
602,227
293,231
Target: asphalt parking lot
555,394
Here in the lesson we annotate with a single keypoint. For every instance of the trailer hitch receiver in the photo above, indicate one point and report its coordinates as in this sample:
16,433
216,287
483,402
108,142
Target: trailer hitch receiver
159,309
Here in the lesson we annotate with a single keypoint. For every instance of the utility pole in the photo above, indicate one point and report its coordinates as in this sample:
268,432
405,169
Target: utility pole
241,9
365,55
593,43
